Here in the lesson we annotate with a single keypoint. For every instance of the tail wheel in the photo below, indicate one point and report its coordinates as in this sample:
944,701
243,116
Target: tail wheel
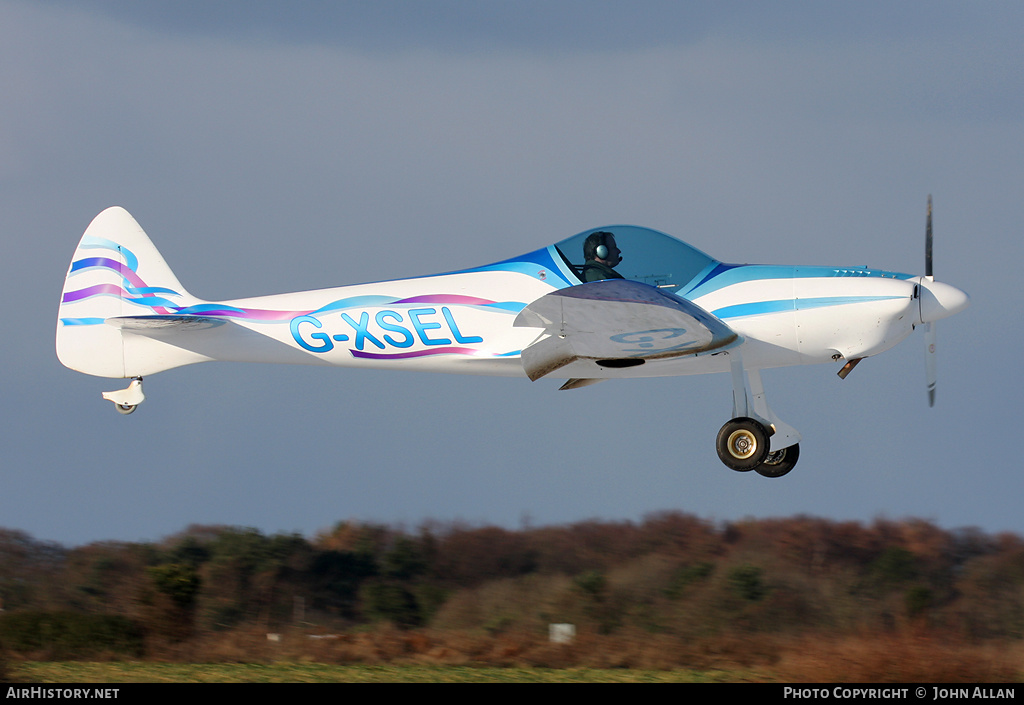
779,462
743,444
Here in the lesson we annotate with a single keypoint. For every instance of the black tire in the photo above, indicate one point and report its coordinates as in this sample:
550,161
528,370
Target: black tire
780,462
743,444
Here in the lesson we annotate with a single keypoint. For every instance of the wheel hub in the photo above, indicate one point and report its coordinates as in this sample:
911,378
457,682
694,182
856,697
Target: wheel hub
742,444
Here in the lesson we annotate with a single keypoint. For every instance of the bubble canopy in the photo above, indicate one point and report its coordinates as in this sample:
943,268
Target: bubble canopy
648,256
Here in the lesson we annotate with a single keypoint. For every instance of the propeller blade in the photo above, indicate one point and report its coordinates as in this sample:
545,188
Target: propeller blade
937,301
929,361
928,241
929,331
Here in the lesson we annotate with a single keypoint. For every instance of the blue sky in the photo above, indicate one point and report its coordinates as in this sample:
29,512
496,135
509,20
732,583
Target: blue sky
269,147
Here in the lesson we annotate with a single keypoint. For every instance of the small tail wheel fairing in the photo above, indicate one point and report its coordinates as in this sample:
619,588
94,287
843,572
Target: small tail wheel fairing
743,444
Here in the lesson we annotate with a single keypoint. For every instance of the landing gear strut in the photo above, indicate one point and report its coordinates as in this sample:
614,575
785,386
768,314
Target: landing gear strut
755,438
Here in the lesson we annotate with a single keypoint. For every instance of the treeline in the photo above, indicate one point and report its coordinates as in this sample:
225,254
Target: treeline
672,577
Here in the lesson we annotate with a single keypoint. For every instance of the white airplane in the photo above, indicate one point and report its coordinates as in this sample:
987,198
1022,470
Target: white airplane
576,310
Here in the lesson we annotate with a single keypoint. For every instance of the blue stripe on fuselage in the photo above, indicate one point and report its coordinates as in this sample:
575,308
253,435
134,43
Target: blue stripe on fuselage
724,275
757,308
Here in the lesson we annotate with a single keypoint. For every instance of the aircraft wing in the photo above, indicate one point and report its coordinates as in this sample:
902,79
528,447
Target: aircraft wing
617,323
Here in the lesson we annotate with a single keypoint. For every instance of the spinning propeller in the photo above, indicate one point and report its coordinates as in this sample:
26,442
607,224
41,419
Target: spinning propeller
929,331
937,301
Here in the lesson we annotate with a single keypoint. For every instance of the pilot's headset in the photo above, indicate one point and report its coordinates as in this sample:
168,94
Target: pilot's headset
601,251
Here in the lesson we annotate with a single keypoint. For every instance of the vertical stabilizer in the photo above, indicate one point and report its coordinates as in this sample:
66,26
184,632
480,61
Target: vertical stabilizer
116,271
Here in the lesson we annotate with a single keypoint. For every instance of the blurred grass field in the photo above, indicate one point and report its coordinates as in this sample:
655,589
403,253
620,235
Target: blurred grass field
139,672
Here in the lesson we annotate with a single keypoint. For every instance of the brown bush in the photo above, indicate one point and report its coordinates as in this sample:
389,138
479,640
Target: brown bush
897,658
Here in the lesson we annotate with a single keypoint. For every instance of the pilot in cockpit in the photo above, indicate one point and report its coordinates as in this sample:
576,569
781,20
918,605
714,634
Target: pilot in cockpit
601,254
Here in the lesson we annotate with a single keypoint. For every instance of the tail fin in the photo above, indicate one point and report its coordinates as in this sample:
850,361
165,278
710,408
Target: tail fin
116,271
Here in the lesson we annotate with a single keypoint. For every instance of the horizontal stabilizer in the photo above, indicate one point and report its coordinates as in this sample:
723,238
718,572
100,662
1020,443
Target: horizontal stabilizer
144,325
617,323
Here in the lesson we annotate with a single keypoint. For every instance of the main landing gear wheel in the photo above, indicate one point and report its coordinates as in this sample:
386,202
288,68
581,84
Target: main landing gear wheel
780,462
126,408
743,444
